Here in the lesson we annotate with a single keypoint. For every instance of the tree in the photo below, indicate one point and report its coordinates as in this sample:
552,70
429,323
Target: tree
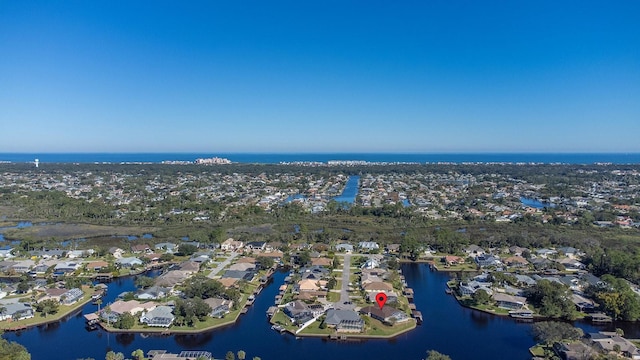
187,249
434,355
114,356
230,356
138,354
481,297
265,262
549,332
552,299
47,307
241,355
11,350
144,282
125,321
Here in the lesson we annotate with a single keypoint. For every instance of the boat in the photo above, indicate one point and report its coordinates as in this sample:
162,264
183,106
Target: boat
448,291
521,314
278,328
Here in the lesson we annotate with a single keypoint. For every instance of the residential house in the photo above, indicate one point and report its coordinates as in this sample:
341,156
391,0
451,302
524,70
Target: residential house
368,245
71,296
474,250
453,260
141,248
610,341
393,248
74,254
166,246
66,267
237,274
371,263
256,245
545,253
97,265
572,264
172,278
231,245
23,266
314,272
6,253
377,287
161,316
153,293
298,311
16,311
348,248
132,307
516,261
310,285
344,320
387,315
321,261
487,260
510,302
116,252
128,262
469,288
219,307
242,267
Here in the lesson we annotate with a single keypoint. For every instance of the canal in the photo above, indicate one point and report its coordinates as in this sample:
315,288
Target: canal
448,328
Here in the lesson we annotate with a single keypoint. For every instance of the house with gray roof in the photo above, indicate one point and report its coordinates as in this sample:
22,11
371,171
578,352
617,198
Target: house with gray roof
153,293
16,311
71,296
128,262
161,316
345,320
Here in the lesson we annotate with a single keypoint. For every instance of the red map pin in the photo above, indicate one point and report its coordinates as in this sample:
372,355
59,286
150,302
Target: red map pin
381,299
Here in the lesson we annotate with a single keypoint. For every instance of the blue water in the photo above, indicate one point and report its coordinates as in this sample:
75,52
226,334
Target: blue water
350,190
582,158
484,336
534,203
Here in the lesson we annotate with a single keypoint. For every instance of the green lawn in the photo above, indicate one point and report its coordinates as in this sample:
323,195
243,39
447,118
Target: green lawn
377,328
314,329
333,297
63,311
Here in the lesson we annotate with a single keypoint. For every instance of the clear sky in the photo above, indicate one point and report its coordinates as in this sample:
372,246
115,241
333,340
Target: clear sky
320,76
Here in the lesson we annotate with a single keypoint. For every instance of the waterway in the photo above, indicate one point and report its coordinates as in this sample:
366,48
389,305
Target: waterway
535,203
448,328
350,190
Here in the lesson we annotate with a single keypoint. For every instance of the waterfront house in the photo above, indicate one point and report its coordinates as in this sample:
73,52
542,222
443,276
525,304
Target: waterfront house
97,265
298,311
129,262
71,296
190,267
219,307
608,342
16,311
161,316
47,254
242,267
172,278
237,274
184,355
469,288
392,297
39,269
510,302
487,260
387,315
453,260
310,285
66,267
344,320
153,293
321,261
132,307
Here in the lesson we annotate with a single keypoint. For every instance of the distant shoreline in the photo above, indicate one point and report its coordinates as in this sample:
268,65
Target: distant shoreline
277,158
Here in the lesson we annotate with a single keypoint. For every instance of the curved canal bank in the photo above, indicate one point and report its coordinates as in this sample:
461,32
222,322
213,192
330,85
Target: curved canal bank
449,328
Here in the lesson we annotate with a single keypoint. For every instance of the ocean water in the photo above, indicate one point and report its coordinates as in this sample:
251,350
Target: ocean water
263,158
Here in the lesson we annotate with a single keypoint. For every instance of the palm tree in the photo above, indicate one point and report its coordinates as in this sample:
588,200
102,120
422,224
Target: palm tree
98,302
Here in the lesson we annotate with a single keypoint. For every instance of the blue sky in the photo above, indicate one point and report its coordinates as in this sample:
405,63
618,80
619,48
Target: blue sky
325,76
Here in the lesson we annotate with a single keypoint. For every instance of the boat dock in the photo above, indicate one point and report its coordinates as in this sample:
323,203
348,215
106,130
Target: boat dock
600,318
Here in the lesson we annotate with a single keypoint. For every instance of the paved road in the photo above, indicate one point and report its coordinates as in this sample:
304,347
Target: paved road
344,290
222,265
